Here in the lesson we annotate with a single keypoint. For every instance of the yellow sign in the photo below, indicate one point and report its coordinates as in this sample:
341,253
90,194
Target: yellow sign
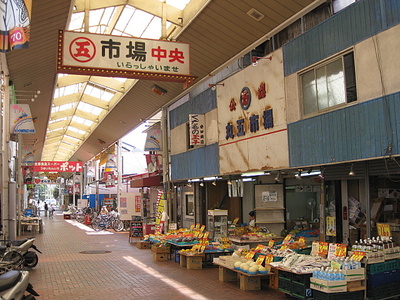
250,255
357,255
271,243
287,239
383,229
260,259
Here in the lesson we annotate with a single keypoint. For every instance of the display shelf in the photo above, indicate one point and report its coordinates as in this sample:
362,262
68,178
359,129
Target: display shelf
135,230
218,223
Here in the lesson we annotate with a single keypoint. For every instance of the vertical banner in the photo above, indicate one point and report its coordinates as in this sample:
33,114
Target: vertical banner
15,24
153,140
27,174
21,119
153,163
159,212
138,200
109,179
197,130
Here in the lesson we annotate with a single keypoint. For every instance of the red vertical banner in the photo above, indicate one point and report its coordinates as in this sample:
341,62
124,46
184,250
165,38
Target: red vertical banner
138,199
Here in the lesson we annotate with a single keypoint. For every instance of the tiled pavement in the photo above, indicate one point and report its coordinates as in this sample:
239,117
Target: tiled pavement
125,272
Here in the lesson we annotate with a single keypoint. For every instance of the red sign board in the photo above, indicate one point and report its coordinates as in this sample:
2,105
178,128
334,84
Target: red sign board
58,166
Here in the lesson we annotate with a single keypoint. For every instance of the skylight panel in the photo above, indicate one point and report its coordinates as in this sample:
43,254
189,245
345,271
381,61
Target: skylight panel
89,108
179,4
71,128
138,23
58,120
76,21
67,90
124,19
97,92
82,121
153,30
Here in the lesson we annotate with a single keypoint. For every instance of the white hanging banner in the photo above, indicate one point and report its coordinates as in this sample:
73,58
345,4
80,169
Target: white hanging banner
197,136
153,140
21,119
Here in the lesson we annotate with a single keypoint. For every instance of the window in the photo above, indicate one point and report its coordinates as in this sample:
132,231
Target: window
189,202
329,85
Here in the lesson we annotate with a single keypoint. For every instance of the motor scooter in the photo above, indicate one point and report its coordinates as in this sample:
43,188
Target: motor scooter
14,285
22,246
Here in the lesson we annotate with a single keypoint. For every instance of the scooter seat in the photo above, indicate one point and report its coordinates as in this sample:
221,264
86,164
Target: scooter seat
9,279
19,242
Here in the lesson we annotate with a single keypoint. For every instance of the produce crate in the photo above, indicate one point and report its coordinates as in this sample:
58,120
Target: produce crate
302,278
359,295
286,275
384,278
160,256
284,284
383,267
143,245
383,291
301,291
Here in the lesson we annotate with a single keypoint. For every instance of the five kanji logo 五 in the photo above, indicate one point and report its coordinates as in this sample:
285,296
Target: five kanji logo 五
82,49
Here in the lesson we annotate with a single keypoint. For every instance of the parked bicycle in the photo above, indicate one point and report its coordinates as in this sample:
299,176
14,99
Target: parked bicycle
110,221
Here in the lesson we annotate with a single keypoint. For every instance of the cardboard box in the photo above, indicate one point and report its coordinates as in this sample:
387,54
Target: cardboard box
160,249
356,274
226,274
357,285
273,278
160,256
143,245
194,262
334,286
182,260
249,283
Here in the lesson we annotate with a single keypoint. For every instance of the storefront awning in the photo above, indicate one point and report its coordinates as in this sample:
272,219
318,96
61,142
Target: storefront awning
145,180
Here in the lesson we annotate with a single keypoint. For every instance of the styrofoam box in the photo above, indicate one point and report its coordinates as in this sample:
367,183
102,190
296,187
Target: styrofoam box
327,286
353,275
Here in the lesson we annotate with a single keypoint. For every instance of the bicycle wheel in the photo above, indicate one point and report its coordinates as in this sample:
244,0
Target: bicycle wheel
80,218
97,224
118,225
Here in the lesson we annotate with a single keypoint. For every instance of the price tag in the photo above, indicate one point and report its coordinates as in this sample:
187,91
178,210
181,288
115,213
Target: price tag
202,248
302,239
357,255
284,247
206,234
259,247
341,250
383,229
250,255
202,228
197,225
192,227
235,221
323,248
271,243
260,259
269,258
287,239
200,235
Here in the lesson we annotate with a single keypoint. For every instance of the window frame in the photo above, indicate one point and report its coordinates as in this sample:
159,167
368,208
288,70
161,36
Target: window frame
339,56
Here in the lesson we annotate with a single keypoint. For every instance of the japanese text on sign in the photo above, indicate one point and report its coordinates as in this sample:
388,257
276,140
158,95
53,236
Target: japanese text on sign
125,53
196,130
57,166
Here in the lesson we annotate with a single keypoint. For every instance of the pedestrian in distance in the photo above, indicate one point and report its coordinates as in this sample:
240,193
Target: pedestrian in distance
46,208
51,211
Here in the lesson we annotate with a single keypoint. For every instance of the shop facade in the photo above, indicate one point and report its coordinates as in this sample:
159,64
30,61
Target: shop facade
326,152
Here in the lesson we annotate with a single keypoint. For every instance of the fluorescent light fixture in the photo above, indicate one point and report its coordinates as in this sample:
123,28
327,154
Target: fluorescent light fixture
209,178
248,179
249,174
312,173
194,180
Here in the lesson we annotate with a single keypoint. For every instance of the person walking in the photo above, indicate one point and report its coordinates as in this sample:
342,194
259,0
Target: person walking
51,211
46,208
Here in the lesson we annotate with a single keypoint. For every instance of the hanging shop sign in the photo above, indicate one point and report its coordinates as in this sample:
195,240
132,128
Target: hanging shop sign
154,165
106,55
197,130
28,156
153,140
21,119
15,27
57,166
